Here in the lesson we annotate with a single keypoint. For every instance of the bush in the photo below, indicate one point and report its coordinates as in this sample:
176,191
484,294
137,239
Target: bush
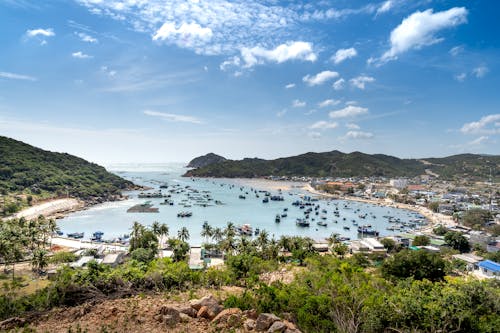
416,264
63,257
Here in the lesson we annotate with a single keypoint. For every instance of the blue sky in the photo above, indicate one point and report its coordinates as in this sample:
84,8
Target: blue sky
158,81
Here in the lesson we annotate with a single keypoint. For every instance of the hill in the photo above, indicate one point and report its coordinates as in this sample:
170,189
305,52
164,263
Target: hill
356,164
34,172
205,160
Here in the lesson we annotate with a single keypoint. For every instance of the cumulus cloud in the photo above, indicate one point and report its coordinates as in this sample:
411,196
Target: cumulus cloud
185,35
40,32
232,62
480,71
290,86
173,117
489,124
352,126
324,125
14,76
328,102
86,38
360,81
80,55
339,84
420,29
348,111
358,135
320,78
461,77
296,50
344,54
296,103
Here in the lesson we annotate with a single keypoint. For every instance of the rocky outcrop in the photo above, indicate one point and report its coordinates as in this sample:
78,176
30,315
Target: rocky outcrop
208,159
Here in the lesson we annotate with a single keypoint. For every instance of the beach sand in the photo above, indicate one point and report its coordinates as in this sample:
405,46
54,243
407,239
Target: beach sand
50,208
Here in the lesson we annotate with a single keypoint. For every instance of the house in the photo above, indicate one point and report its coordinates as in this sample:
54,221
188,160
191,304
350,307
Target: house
489,269
470,260
493,246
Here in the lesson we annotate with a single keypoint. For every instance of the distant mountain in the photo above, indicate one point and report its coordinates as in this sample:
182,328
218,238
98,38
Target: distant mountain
205,160
356,164
25,169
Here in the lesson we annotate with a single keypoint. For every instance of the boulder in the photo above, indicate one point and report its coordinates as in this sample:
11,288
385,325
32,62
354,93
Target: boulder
11,323
252,314
184,317
277,327
191,312
265,320
170,316
234,320
210,302
205,312
224,315
249,325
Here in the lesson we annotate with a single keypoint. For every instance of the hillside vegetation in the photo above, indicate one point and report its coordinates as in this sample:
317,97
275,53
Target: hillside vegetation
35,172
356,164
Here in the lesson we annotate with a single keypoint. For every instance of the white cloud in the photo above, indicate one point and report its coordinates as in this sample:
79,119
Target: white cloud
348,111
296,103
360,81
358,135
81,55
339,84
86,38
352,126
324,125
320,78
483,125
461,77
328,102
310,112
40,32
384,7
232,62
296,50
14,76
186,35
290,86
344,54
173,117
454,51
420,29
314,135
281,113
478,141
480,71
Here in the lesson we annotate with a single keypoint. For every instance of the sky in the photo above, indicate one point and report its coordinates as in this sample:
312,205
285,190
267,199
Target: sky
156,81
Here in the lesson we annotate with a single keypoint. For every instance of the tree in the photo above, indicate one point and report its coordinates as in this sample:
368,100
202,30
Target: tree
340,249
417,264
183,234
440,230
434,206
39,260
206,231
390,245
457,241
421,240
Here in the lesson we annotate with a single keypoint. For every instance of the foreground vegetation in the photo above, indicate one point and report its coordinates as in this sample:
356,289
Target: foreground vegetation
28,173
356,164
411,291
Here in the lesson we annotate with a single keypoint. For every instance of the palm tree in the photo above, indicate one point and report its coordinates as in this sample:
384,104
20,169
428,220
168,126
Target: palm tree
155,227
39,260
217,235
206,231
285,243
263,239
333,239
183,234
230,230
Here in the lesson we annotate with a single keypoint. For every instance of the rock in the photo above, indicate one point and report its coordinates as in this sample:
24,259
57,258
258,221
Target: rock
210,302
265,320
170,316
185,318
203,312
249,325
277,326
292,331
234,320
224,315
290,325
252,314
191,312
11,323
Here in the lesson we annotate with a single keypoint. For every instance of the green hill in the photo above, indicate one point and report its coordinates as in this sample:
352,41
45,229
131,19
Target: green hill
34,172
356,164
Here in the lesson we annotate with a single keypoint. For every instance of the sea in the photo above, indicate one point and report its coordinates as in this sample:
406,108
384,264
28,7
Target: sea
114,221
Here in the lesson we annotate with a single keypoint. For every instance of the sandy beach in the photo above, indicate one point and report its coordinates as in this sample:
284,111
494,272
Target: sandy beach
50,208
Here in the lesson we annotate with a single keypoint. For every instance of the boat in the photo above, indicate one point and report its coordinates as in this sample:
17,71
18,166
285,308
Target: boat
302,223
367,230
347,228
76,235
97,236
277,219
241,196
245,230
257,231
265,200
322,223
184,214
284,215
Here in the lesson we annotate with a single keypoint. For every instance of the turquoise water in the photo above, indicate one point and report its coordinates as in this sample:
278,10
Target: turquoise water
112,217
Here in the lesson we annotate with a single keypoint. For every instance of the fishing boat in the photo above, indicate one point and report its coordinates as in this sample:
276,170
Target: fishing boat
277,219
245,230
347,228
241,196
265,200
302,223
367,230
97,236
322,223
76,235
184,214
